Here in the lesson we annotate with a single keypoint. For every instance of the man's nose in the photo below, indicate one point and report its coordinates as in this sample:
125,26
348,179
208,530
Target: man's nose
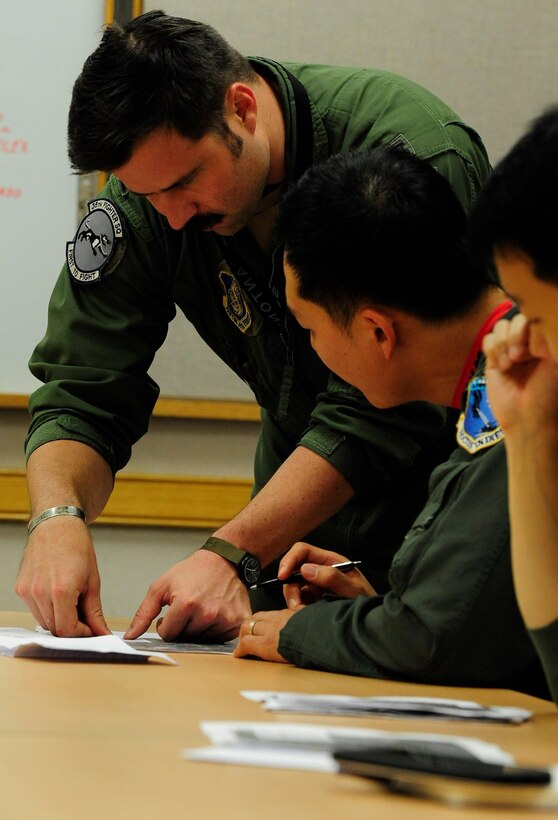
177,209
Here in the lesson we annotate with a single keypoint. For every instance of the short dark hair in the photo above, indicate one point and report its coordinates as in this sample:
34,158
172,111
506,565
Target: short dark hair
517,212
157,71
379,226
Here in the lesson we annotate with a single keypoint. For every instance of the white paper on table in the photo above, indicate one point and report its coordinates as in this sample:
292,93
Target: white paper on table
273,757
391,706
20,643
311,746
152,642
326,738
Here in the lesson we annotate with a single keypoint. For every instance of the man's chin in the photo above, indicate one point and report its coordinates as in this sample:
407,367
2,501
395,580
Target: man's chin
228,227
222,229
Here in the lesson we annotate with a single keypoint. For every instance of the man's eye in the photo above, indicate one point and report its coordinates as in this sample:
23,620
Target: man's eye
185,183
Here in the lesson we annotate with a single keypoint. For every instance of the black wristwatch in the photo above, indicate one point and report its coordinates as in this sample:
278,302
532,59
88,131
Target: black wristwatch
247,565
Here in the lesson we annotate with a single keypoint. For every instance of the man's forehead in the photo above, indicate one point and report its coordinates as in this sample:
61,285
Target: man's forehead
159,163
181,180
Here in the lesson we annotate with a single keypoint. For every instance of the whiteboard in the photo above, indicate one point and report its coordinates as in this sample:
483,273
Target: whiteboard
42,48
496,67
185,367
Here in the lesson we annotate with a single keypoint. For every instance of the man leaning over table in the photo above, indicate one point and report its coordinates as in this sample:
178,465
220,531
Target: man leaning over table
201,143
368,237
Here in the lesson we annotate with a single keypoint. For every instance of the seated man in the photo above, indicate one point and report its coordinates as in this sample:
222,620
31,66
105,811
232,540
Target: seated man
516,221
378,272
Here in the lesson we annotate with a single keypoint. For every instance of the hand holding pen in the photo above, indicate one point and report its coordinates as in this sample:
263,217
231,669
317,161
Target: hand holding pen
298,577
316,575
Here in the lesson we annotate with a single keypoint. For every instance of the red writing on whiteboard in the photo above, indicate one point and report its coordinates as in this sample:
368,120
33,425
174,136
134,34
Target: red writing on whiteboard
11,193
9,145
13,147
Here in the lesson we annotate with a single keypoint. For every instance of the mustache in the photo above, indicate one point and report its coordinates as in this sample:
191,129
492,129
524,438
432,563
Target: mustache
204,222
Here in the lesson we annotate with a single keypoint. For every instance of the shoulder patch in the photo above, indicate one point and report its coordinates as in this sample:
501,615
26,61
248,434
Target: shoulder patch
477,427
98,246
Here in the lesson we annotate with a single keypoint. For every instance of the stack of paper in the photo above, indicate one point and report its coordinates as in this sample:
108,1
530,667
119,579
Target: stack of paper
458,770
311,746
23,643
392,706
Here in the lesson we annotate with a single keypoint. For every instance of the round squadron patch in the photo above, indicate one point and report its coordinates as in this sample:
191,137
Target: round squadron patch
234,301
98,245
477,427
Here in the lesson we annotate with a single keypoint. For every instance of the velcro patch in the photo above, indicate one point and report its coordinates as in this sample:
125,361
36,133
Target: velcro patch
477,427
237,304
98,245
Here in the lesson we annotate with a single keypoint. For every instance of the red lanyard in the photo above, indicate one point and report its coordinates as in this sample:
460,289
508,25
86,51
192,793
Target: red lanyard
471,362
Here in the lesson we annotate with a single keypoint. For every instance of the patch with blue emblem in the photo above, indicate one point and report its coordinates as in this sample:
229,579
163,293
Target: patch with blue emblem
98,245
477,427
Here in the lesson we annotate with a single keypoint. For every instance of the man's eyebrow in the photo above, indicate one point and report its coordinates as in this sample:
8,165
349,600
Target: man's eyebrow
186,178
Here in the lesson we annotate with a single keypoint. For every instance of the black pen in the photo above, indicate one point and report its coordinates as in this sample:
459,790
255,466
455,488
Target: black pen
344,566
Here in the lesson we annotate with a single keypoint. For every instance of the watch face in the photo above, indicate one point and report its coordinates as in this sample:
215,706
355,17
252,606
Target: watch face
250,570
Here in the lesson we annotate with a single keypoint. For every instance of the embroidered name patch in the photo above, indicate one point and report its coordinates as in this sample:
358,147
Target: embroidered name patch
477,427
234,301
98,246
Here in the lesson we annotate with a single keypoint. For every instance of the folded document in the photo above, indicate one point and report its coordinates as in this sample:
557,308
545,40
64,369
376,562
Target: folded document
458,770
24,643
311,746
392,706
152,642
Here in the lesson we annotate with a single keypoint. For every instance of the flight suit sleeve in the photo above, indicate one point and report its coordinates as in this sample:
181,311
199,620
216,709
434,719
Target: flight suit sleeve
450,616
369,446
94,358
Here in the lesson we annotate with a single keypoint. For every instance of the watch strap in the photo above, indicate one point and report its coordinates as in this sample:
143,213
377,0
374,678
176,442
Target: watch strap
225,549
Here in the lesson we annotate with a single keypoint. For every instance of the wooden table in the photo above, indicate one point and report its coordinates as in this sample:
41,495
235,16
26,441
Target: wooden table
86,740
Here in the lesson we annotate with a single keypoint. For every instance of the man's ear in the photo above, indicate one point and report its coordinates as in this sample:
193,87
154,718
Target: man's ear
381,329
240,102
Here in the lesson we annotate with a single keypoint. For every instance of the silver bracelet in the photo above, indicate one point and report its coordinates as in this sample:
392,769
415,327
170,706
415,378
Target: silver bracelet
65,509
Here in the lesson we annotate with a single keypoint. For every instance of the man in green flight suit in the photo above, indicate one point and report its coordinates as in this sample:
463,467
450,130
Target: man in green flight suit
398,328
201,144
